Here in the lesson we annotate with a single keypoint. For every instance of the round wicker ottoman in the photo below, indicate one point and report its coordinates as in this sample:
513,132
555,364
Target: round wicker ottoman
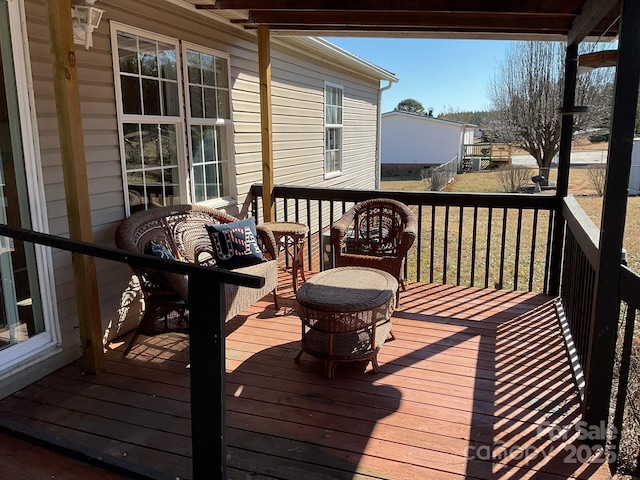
346,315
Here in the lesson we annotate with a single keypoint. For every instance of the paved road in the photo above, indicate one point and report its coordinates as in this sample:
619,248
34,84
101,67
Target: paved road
577,158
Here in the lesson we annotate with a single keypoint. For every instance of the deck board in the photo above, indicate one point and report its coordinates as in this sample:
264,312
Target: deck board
470,369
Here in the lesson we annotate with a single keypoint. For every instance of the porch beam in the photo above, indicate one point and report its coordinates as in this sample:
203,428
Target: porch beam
556,22
604,324
593,12
266,126
541,6
65,79
564,163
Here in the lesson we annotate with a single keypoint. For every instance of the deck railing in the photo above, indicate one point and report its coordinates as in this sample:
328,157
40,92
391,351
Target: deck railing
485,240
206,340
579,275
579,269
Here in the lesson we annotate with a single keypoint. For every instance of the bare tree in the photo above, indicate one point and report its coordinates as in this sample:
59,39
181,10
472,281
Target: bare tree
513,178
527,91
597,175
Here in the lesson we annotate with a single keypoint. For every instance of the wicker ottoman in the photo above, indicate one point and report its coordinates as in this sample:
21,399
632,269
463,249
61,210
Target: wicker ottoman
346,315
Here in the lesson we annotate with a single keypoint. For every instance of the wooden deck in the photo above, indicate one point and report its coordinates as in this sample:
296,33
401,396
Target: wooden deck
469,389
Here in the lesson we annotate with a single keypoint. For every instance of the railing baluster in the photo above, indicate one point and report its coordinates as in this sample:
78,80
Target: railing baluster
309,254
460,223
503,248
548,256
433,235
419,246
532,257
473,246
320,230
445,250
488,257
517,259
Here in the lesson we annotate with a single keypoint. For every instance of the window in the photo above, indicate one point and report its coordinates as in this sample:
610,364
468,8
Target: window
209,112
150,119
332,129
166,147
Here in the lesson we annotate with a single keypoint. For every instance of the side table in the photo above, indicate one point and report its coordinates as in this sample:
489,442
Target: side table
346,315
291,236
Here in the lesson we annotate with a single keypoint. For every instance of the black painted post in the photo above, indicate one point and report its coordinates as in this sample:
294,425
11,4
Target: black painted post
603,332
564,163
207,357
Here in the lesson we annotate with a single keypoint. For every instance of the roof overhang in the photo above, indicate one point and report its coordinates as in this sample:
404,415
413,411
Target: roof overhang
572,20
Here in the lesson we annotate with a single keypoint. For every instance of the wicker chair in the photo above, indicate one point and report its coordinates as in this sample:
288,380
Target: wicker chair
375,233
181,229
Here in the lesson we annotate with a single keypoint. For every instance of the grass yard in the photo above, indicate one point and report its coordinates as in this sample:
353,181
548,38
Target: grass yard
579,185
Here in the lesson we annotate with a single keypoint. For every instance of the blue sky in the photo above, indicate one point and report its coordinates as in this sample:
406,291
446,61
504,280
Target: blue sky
443,74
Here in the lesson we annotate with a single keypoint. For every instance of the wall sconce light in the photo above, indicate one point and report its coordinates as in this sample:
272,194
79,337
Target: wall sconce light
85,19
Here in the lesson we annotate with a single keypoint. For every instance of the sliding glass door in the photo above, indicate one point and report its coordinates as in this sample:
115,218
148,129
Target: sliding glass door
21,313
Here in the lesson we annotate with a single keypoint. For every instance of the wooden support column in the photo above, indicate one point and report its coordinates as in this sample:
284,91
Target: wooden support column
564,163
65,79
604,324
264,66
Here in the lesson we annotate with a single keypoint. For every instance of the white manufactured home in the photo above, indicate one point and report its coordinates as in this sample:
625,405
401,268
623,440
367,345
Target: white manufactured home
410,142
170,109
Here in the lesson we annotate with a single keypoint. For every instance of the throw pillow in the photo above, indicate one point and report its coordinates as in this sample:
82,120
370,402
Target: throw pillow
157,249
235,244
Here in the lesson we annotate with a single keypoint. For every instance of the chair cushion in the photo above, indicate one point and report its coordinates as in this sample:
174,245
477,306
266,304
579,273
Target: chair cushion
235,244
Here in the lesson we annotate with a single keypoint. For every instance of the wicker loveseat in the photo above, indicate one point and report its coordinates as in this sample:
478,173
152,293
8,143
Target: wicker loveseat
181,229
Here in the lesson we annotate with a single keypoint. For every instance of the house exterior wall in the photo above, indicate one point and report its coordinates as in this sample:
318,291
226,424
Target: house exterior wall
414,141
298,132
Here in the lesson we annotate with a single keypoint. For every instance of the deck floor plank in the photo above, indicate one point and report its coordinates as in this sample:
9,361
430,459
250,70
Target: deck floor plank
471,373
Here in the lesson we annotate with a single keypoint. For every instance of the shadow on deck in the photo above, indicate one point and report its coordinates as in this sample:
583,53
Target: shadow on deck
476,385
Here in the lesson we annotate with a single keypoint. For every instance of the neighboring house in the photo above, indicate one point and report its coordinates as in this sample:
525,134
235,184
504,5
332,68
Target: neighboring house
410,142
171,114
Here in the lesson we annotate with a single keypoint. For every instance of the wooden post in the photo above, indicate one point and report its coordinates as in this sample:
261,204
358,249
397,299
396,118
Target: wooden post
564,164
604,323
264,66
208,376
65,79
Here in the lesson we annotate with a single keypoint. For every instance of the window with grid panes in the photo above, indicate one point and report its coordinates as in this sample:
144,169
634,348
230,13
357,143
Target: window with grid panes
175,117
332,129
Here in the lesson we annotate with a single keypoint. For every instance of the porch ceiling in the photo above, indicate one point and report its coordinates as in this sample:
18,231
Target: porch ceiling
490,19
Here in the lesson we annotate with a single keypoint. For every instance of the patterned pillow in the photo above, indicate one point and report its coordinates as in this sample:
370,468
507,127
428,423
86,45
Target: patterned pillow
157,249
235,244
